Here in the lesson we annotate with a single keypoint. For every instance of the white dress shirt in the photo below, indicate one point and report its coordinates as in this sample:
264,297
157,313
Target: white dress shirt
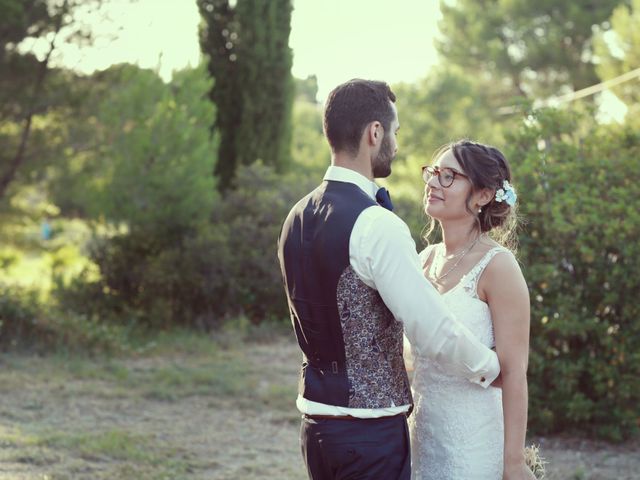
383,255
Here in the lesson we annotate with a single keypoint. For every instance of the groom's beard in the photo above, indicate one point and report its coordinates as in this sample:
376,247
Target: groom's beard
381,165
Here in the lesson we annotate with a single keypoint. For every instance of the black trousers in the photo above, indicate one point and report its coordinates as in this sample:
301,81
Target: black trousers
359,449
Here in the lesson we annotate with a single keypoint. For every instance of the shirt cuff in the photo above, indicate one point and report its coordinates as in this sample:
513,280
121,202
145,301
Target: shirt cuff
491,372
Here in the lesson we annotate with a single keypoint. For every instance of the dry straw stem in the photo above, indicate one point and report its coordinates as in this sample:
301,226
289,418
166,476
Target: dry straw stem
534,461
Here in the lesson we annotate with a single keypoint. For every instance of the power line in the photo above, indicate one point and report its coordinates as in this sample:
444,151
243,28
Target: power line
584,92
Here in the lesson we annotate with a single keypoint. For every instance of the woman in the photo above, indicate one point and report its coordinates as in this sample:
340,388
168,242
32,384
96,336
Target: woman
460,430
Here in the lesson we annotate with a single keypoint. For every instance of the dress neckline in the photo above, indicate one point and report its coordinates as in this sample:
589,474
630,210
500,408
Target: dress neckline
471,270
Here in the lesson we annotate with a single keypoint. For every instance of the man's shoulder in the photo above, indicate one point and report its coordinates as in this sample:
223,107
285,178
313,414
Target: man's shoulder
383,221
348,194
301,203
376,212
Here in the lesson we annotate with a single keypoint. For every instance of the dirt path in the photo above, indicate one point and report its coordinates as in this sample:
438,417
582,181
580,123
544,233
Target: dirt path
201,412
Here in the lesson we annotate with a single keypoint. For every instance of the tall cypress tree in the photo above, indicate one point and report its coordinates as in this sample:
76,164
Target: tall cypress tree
250,61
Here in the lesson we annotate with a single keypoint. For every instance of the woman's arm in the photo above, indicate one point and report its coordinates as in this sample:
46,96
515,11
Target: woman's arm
506,292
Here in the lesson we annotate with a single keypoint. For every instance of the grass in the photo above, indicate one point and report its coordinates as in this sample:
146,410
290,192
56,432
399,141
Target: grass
178,341
219,377
579,474
113,444
134,453
164,369
167,366
187,407
177,369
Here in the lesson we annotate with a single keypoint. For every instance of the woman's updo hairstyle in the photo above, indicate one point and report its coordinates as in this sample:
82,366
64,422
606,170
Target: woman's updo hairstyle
487,167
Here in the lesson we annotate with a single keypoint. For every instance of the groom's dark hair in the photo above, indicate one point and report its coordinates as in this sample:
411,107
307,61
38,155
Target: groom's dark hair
351,107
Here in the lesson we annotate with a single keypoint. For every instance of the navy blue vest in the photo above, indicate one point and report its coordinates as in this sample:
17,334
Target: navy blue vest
351,342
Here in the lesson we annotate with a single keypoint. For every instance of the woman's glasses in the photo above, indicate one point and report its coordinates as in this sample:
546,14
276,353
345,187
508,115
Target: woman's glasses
446,176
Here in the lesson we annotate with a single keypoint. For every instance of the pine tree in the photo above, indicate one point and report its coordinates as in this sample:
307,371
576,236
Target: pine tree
250,61
26,88
528,49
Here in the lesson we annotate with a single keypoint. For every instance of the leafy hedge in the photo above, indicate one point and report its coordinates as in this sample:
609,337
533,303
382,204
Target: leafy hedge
579,185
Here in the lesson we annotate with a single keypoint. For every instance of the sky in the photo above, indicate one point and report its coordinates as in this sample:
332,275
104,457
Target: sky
334,39
376,39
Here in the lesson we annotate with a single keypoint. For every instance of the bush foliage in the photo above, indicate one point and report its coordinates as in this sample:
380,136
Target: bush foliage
579,184
26,325
223,267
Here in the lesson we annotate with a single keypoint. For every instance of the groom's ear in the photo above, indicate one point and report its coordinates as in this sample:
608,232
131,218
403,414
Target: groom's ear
374,132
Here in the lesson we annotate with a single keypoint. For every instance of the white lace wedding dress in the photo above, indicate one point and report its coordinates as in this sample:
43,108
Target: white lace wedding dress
457,426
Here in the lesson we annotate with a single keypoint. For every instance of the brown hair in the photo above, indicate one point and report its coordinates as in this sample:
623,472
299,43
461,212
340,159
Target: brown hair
351,107
486,167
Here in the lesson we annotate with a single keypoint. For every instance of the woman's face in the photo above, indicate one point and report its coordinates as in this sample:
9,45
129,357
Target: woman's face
447,203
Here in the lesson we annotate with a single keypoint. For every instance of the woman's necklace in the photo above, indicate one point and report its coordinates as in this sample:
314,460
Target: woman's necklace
453,255
437,278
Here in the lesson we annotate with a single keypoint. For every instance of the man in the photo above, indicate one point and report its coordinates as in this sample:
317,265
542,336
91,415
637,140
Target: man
353,280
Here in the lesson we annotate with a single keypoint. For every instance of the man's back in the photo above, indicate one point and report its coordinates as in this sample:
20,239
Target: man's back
342,325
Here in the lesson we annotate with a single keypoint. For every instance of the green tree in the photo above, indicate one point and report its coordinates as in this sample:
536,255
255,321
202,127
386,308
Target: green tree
27,91
145,157
309,149
527,49
250,60
307,89
446,105
619,52
22,79
145,182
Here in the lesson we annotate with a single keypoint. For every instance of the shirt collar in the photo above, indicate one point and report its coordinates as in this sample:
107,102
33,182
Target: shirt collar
341,174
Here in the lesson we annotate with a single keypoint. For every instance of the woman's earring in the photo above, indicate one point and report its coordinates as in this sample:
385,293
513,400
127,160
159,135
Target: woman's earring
479,209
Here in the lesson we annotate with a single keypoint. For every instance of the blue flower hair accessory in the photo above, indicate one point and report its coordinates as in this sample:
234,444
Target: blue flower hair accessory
506,194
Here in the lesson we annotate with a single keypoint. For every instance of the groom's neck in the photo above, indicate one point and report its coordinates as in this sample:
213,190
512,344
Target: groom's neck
358,163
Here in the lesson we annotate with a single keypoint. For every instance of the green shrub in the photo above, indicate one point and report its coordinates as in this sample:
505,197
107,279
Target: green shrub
197,277
19,317
28,324
72,332
579,185
188,284
253,213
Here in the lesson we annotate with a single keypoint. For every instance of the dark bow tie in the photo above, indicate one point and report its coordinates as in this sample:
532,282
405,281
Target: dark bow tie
384,199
